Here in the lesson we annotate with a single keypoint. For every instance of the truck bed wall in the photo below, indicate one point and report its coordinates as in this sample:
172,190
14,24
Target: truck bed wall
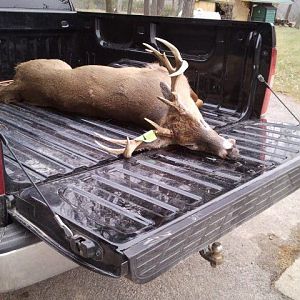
224,56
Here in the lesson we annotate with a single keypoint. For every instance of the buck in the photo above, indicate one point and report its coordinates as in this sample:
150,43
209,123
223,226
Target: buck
159,95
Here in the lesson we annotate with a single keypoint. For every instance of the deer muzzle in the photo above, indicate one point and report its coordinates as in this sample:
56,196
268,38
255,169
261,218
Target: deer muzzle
228,149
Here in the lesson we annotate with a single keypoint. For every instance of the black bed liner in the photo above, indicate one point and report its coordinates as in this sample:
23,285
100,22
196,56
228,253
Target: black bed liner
134,207
51,144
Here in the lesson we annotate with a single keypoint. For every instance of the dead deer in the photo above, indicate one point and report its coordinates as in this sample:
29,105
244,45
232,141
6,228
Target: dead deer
158,95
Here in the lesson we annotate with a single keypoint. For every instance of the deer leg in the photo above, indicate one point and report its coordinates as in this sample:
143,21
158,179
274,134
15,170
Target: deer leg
8,92
198,101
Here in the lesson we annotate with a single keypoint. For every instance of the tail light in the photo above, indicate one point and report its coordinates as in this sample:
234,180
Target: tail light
270,81
2,180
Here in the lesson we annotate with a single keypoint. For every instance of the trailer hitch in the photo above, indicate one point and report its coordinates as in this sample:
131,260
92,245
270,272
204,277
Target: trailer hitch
214,254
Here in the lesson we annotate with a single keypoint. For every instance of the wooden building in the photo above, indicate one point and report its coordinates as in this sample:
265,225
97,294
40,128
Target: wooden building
243,10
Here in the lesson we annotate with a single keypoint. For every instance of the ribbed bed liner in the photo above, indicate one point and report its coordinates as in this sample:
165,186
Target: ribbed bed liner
117,199
51,144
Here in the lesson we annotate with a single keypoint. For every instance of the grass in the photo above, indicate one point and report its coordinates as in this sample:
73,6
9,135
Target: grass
287,79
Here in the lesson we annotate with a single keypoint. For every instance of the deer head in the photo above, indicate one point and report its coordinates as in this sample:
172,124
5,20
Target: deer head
183,125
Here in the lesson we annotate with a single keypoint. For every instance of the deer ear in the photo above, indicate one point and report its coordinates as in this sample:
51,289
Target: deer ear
165,90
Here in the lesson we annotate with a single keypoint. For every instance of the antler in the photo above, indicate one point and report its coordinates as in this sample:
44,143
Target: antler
175,103
160,131
181,65
174,72
132,145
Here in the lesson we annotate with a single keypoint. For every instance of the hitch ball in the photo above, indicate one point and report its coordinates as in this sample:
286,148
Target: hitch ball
214,254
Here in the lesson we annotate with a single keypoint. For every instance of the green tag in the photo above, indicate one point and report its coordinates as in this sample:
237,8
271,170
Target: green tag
147,137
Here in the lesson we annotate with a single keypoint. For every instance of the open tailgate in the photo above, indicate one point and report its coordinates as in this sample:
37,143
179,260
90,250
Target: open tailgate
138,217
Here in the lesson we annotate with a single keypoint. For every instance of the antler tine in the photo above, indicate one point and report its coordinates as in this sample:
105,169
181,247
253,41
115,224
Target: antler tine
168,102
161,57
160,130
130,145
181,65
174,50
111,140
110,150
175,104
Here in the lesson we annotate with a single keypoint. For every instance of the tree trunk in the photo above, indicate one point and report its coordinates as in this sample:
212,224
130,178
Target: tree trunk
297,25
286,17
188,8
179,7
154,8
173,8
129,9
160,6
119,6
146,7
108,6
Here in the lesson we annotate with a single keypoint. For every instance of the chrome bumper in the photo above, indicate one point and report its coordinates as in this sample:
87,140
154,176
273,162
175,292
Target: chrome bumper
31,264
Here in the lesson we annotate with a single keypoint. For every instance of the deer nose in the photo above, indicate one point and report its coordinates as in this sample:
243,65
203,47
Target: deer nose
234,153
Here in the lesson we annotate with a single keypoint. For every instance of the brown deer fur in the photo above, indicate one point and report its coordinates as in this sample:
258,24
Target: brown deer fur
124,94
53,83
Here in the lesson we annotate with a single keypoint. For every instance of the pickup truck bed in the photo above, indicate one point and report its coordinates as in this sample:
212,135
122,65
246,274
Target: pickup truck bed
139,217
154,208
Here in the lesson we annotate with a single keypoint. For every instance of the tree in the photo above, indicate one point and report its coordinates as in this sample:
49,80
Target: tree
108,6
286,17
188,8
129,8
173,8
179,7
154,7
297,25
160,6
146,7
119,5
